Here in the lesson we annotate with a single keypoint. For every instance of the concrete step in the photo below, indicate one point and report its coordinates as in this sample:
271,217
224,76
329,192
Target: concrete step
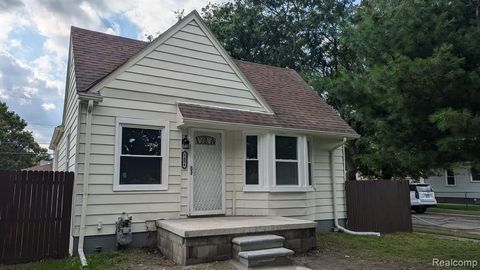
270,257
255,242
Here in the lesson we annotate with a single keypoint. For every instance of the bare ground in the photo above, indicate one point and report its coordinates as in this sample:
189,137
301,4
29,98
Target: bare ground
331,260
146,259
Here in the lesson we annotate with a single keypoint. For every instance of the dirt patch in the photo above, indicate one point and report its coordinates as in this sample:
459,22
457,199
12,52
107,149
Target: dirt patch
331,260
144,259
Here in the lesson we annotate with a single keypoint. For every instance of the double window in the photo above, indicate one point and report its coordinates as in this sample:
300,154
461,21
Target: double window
277,163
141,155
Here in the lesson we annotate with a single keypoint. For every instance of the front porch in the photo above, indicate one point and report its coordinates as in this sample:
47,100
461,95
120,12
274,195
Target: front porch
198,240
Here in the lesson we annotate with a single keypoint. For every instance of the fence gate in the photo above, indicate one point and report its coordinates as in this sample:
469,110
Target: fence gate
378,206
35,208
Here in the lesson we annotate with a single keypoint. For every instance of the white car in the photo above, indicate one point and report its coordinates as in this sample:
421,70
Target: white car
421,197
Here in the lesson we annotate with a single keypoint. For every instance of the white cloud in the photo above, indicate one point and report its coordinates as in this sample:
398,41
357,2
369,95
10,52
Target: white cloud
8,22
3,94
28,91
47,67
15,43
48,106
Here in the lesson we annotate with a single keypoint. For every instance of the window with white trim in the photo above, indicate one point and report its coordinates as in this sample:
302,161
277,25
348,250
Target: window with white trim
252,160
141,155
475,175
286,160
276,163
450,177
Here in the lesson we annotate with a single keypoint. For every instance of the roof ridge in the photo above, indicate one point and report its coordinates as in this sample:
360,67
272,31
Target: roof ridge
265,65
107,34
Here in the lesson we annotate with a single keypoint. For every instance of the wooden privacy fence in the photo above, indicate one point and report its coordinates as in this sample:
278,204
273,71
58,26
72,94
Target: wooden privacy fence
35,208
378,206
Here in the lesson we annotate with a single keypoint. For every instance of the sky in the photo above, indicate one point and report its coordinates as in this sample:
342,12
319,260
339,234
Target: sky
34,40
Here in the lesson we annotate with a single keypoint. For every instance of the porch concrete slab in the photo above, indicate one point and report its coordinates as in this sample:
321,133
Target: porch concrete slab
209,226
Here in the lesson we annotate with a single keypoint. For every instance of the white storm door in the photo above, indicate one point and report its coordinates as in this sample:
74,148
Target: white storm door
207,189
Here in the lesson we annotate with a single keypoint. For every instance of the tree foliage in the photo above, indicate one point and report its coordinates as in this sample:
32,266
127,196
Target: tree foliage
18,149
404,73
299,34
413,90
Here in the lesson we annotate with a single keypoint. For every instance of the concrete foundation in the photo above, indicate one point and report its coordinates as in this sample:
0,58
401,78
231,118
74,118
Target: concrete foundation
328,225
97,243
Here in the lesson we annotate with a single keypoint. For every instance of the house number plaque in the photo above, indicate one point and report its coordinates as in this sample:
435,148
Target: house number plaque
184,160
208,140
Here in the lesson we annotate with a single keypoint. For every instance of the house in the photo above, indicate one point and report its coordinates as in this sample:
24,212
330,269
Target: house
176,128
42,166
456,185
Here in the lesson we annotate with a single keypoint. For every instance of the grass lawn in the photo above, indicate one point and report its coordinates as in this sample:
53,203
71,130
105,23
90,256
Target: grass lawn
105,260
446,232
405,249
451,208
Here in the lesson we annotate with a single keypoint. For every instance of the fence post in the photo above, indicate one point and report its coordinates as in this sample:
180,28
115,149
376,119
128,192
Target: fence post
466,201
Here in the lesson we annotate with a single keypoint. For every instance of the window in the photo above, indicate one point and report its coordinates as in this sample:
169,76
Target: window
424,188
450,176
475,175
251,160
286,160
277,163
141,162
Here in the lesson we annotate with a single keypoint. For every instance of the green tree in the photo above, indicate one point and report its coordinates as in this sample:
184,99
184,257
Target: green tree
18,149
413,90
299,34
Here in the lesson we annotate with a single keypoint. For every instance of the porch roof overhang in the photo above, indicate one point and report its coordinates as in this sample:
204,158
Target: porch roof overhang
196,115
57,134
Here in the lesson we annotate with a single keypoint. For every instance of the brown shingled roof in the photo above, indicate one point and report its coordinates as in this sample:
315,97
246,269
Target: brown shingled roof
97,54
194,111
294,103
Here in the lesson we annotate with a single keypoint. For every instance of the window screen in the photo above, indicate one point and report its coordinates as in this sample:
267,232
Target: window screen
286,163
450,177
251,160
141,158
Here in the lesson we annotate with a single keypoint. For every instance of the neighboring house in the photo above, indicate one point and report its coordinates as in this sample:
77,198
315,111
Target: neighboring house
259,140
460,185
42,166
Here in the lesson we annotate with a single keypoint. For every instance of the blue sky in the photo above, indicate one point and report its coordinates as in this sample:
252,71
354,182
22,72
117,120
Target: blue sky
34,41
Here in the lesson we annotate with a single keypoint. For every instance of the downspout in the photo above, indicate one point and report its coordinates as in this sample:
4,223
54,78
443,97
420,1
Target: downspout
234,199
334,192
86,174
